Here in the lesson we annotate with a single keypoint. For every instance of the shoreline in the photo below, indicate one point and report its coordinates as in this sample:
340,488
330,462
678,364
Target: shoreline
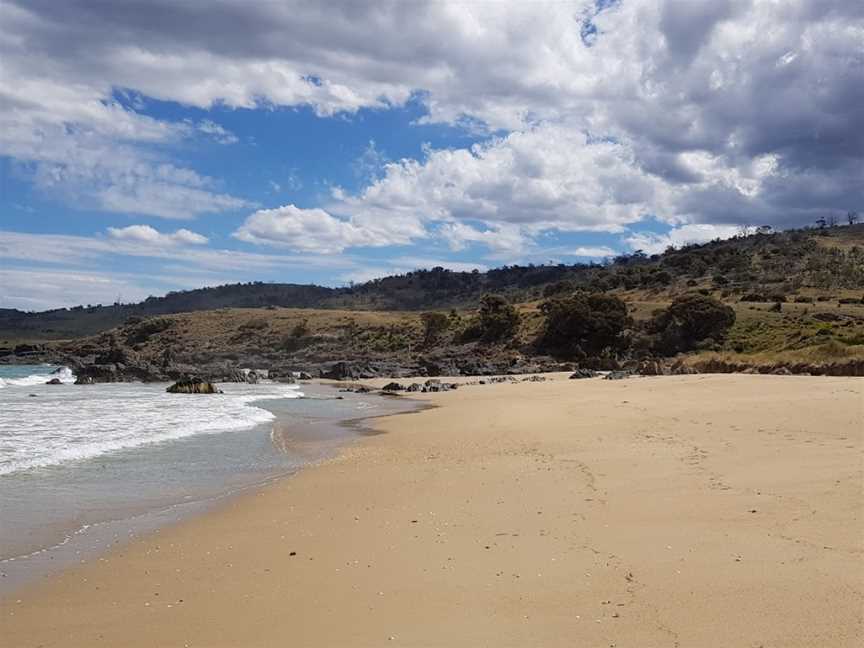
516,514
302,442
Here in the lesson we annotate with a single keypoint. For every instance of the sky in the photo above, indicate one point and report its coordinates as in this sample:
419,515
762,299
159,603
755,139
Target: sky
150,146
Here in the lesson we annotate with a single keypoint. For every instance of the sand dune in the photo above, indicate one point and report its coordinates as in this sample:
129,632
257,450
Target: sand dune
688,511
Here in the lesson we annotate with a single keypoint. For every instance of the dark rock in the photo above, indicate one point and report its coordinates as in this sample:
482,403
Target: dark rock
583,373
534,379
352,371
617,375
393,387
54,381
302,375
654,368
192,385
414,387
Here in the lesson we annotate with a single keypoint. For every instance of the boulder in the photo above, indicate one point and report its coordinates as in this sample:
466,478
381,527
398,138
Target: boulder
654,368
534,379
393,387
192,385
414,387
583,373
617,375
54,381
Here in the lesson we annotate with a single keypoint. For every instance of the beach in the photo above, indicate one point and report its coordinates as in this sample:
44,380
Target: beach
706,510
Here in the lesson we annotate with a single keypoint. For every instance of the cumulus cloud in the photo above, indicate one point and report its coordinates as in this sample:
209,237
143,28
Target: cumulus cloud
713,113
147,234
315,230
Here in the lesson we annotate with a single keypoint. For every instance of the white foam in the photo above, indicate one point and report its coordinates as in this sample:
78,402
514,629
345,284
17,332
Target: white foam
63,374
62,425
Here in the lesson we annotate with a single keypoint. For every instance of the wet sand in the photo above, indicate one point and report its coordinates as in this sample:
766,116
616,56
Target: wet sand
676,511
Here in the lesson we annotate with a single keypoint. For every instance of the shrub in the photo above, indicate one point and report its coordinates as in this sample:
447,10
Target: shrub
558,288
434,326
258,324
301,329
802,299
584,323
497,320
691,319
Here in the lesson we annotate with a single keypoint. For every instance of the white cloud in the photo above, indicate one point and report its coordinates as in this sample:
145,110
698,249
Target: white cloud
314,230
593,252
40,289
714,113
653,243
147,234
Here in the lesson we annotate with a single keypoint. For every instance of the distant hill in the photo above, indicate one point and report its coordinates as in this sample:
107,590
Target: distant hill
798,264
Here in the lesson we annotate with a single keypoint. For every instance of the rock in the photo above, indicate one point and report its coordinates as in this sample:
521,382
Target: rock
393,387
302,375
534,379
349,371
653,368
617,375
83,380
414,387
54,381
192,385
583,373
782,371
438,386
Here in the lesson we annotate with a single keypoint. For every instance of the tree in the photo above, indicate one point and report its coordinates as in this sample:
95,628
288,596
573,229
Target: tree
497,319
434,326
852,217
692,319
583,323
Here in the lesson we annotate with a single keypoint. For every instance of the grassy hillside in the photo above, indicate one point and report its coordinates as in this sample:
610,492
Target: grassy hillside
822,266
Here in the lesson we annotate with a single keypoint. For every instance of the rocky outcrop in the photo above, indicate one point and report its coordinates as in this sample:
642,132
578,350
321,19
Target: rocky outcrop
583,373
192,385
853,367
617,375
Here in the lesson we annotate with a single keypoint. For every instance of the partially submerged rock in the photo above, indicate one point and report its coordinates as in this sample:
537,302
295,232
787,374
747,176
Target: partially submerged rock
54,381
192,385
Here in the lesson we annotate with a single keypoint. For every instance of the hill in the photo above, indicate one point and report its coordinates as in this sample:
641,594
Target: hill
825,264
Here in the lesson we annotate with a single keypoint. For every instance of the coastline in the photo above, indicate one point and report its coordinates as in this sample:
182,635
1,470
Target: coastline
277,449
697,510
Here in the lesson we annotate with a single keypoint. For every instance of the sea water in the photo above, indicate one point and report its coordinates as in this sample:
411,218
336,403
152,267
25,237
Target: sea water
83,467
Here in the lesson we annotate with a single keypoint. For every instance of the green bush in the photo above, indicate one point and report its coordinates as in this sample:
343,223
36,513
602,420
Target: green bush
496,321
583,323
690,320
434,326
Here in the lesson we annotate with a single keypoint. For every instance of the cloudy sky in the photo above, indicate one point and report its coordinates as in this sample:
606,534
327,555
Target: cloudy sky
156,145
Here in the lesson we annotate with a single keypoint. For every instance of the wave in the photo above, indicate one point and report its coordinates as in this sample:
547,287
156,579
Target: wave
77,425
63,374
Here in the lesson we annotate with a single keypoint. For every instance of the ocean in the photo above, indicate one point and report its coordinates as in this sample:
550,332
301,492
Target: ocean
85,467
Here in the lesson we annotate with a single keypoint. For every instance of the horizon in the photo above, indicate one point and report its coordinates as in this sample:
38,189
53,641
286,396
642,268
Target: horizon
152,147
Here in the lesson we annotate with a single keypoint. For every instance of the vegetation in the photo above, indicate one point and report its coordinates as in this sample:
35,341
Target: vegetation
690,321
496,321
434,326
583,324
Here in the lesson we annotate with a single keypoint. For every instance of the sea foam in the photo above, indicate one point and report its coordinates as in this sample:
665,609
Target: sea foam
47,425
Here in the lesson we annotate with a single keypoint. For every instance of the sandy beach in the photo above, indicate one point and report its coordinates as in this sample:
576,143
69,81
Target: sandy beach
690,511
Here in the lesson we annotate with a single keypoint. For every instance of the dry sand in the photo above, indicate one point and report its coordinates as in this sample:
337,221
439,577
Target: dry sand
684,511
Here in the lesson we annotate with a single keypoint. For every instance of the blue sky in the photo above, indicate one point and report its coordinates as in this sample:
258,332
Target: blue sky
148,147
